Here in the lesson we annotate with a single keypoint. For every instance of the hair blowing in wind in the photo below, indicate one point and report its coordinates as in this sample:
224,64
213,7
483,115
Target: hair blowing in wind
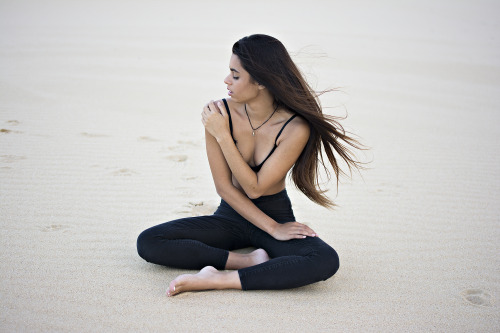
269,63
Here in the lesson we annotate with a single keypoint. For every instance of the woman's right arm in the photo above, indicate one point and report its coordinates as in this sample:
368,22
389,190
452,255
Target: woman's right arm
241,203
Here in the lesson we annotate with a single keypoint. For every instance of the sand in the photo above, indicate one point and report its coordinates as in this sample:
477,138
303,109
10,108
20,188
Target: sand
101,138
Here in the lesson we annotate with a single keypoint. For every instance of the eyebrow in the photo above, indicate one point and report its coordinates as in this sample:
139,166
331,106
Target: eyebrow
234,70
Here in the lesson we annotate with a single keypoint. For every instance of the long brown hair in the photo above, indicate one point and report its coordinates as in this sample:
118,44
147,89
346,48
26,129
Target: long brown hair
268,62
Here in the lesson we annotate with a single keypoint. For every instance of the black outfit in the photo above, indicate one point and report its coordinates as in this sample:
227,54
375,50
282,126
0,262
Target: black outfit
196,242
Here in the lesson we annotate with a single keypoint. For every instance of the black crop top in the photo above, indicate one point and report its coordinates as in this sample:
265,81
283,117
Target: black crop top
256,168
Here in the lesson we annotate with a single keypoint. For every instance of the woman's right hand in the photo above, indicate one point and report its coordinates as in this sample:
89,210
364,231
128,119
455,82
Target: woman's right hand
216,120
292,230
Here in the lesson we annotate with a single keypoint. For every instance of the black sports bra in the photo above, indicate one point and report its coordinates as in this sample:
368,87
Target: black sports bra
256,168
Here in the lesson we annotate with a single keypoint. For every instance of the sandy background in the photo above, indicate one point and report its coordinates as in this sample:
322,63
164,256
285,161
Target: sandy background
101,138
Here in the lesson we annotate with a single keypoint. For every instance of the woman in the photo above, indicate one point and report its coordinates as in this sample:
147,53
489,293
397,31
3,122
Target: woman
271,124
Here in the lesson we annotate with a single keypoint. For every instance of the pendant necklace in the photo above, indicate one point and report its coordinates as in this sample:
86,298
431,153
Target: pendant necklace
254,129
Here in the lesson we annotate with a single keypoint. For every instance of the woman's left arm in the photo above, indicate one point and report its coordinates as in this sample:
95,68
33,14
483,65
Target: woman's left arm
276,167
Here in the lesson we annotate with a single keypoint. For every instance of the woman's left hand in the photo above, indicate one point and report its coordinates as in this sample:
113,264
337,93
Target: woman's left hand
215,119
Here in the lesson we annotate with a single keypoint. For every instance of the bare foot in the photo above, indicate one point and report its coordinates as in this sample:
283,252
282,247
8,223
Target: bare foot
259,256
206,279
243,260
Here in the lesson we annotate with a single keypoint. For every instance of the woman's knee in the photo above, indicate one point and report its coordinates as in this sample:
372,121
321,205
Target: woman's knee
327,262
144,244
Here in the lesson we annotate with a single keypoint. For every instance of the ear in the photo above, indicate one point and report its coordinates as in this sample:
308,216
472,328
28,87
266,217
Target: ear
260,86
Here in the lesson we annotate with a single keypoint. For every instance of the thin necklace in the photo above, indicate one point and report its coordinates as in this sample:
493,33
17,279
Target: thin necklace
254,129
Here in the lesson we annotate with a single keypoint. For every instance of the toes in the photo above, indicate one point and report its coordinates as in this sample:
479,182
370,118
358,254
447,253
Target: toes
171,289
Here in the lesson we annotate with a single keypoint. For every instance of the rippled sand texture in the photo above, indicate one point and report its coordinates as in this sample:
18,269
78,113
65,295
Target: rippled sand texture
100,138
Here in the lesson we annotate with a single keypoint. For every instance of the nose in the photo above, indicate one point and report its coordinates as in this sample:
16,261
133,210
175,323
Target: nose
227,79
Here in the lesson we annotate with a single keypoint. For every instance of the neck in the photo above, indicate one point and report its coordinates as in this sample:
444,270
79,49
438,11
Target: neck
260,109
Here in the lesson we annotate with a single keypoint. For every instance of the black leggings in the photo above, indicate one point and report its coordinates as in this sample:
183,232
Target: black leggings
196,242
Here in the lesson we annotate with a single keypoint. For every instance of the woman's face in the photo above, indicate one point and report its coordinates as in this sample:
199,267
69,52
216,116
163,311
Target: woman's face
239,83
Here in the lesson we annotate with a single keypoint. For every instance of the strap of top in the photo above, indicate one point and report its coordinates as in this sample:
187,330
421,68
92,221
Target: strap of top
257,167
281,130
230,120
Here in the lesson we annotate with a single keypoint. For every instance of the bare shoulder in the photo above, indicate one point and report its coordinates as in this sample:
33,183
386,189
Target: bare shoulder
297,130
233,106
299,125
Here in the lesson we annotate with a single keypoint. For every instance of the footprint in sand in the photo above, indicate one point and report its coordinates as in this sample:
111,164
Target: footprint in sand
183,145
187,143
388,187
198,209
94,135
477,297
7,131
53,227
11,158
177,158
12,123
124,172
147,139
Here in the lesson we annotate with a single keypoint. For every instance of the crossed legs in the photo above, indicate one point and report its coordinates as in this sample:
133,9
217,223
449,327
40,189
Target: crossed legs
205,243
210,278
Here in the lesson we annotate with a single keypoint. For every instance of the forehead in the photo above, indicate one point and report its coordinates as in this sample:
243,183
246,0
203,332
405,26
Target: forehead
234,62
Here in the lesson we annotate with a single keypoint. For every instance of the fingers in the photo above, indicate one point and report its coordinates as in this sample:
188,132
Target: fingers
205,114
311,232
217,107
222,109
292,230
302,231
212,108
206,109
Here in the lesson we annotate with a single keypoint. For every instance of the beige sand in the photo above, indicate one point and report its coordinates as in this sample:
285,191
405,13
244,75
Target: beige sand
101,138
